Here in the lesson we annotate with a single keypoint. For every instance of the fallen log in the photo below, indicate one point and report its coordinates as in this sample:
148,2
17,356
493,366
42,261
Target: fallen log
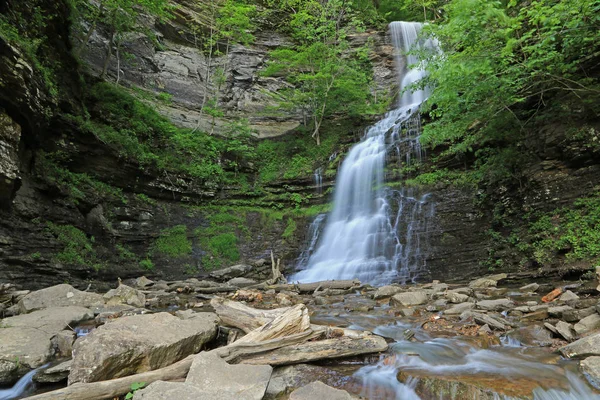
117,387
295,320
239,315
310,287
318,350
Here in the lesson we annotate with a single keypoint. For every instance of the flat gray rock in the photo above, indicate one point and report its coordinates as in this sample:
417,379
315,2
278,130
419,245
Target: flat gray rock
409,298
317,391
139,343
587,324
459,308
582,348
59,296
386,291
591,369
495,305
161,390
26,339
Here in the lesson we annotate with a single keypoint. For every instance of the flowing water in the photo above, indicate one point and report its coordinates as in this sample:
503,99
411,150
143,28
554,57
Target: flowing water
24,386
374,233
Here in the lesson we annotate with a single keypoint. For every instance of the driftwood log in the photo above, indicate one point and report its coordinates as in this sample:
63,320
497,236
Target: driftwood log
310,287
117,387
239,315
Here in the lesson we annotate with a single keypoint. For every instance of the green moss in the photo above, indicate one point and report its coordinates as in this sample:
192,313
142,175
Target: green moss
77,249
224,246
290,229
124,253
173,242
146,264
145,199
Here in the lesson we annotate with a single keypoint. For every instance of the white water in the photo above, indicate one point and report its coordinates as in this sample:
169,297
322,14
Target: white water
24,385
362,238
449,357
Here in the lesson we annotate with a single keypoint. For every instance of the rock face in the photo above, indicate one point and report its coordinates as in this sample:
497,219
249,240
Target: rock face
10,136
212,378
319,390
139,343
125,295
59,296
26,340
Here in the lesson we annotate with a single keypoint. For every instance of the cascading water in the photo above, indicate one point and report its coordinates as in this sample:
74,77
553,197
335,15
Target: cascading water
362,238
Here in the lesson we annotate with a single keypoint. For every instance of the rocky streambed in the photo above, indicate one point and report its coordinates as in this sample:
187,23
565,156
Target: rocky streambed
232,338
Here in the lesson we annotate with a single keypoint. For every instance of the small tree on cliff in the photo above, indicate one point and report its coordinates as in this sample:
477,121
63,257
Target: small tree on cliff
120,16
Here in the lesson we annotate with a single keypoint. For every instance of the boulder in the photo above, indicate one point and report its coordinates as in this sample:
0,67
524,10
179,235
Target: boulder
576,315
235,271
62,295
587,324
582,348
319,390
212,378
565,330
557,312
409,298
26,339
495,305
568,296
125,295
386,291
455,297
142,282
486,282
459,308
55,374
539,315
483,319
532,287
139,343
591,369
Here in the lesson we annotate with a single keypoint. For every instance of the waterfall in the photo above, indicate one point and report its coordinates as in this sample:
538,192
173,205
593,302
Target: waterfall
373,232
318,175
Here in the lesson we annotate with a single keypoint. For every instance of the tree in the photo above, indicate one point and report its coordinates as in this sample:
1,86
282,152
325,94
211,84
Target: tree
120,16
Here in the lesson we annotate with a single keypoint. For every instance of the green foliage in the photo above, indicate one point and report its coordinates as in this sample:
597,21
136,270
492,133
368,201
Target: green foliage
173,242
124,253
503,65
78,186
220,238
77,249
290,229
145,199
327,74
147,264
134,387
140,133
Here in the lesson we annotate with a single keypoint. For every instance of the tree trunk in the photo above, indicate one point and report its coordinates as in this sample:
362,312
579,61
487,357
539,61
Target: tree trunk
108,53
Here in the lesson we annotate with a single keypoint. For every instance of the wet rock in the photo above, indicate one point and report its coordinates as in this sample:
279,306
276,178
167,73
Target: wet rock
558,311
55,374
139,343
591,369
409,298
26,339
587,324
235,271
319,390
576,315
220,380
532,287
241,282
495,305
582,348
59,296
565,330
386,291
568,296
486,282
483,319
532,335
551,328
459,308
142,282
440,303
161,390
10,136
523,309
455,297
285,379
535,316
63,342
125,295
